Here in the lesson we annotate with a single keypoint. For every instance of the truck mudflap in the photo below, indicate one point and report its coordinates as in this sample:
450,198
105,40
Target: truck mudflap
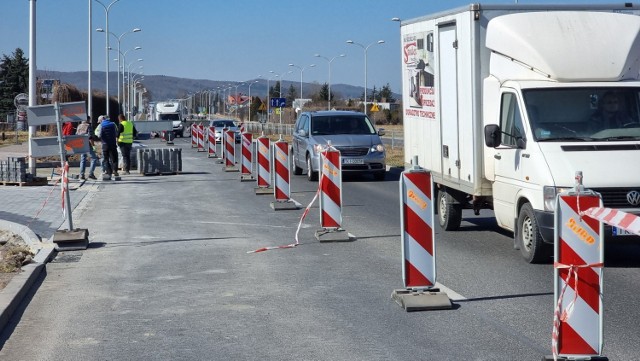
545,224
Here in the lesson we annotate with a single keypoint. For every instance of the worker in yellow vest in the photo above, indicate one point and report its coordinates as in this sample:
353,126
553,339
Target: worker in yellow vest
127,132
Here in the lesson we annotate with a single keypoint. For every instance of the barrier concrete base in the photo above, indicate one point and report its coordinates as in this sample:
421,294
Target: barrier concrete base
284,205
71,240
564,358
264,190
247,178
334,235
232,168
421,300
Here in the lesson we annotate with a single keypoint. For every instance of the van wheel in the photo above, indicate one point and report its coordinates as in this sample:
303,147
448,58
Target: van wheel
532,247
311,175
449,214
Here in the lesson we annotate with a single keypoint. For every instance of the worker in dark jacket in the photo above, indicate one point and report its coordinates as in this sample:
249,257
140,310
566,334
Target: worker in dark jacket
107,131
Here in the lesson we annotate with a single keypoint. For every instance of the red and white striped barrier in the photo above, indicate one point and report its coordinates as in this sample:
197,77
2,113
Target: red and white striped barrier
330,188
230,150
263,164
579,258
615,218
247,156
282,176
194,136
201,138
242,128
211,135
417,232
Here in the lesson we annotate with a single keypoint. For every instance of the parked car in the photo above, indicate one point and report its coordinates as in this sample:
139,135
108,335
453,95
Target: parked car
220,124
352,133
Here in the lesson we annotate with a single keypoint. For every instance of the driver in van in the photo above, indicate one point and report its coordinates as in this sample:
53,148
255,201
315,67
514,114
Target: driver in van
609,115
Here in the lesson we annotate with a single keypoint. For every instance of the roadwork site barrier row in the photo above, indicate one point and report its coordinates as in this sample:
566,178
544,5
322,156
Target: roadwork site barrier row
577,328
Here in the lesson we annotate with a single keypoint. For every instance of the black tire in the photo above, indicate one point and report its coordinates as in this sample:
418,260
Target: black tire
449,214
529,239
311,175
379,176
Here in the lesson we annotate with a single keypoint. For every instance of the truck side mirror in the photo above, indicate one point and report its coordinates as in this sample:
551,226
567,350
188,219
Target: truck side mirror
492,134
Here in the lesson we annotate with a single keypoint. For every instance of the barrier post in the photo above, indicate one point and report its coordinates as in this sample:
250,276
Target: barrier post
578,266
230,151
282,176
201,138
211,135
263,165
194,135
330,185
418,243
247,158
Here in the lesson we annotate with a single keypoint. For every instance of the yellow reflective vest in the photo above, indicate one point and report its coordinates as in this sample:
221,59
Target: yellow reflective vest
127,135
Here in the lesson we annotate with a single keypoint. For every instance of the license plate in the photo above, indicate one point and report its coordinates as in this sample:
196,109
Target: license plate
620,232
352,161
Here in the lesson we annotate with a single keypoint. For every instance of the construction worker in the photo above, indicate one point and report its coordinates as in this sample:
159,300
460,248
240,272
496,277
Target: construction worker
125,141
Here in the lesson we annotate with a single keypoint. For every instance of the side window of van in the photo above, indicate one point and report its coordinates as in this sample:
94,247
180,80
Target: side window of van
510,120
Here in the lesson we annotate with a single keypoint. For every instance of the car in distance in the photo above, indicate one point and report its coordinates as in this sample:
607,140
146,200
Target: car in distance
220,124
352,133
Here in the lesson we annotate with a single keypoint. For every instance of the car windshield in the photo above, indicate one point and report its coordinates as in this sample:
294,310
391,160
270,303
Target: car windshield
223,123
584,114
341,124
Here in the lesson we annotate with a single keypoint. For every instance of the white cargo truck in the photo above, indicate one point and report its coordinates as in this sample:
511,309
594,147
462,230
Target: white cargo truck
504,103
172,110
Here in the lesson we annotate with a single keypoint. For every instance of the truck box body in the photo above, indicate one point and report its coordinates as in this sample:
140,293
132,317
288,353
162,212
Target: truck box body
545,68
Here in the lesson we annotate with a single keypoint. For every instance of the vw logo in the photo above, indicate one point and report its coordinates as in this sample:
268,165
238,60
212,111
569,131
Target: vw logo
633,198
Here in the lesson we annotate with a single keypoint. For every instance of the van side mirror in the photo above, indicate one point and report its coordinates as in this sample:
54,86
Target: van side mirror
381,132
492,134
302,133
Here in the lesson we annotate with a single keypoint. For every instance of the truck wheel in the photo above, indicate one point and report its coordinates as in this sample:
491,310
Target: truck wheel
311,175
449,214
532,247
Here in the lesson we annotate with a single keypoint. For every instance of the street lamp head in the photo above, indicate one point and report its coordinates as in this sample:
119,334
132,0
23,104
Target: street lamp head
395,19
349,41
100,30
291,64
380,41
137,48
136,30
312,65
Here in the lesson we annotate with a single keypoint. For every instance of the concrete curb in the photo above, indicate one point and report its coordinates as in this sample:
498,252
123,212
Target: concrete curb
15,291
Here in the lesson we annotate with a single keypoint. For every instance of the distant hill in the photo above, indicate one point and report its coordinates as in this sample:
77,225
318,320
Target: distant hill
164,87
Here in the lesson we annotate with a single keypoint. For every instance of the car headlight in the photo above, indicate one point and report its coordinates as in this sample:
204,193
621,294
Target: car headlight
550,194
319,148
377,148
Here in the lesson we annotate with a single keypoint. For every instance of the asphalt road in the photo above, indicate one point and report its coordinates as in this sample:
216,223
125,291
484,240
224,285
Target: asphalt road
168,277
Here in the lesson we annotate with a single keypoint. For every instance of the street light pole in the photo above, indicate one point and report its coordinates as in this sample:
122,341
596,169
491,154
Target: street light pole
269,93
106,10
301,72
237,103
330,61
366,48
119,38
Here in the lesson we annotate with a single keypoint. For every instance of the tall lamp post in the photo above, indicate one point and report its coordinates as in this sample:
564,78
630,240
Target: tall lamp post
106,11
329,61
119,39
366,48
124,61
301,72
269,92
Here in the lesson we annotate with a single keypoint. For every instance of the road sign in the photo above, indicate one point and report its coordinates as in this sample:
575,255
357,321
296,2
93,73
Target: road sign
262,107
49,146
46,114
278,102
21,101
375,108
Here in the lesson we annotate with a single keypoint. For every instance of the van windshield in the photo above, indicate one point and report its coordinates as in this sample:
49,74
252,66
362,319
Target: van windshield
169,116
584,114
341,124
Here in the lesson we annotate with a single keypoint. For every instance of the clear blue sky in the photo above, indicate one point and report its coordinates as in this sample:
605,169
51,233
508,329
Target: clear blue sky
226,40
